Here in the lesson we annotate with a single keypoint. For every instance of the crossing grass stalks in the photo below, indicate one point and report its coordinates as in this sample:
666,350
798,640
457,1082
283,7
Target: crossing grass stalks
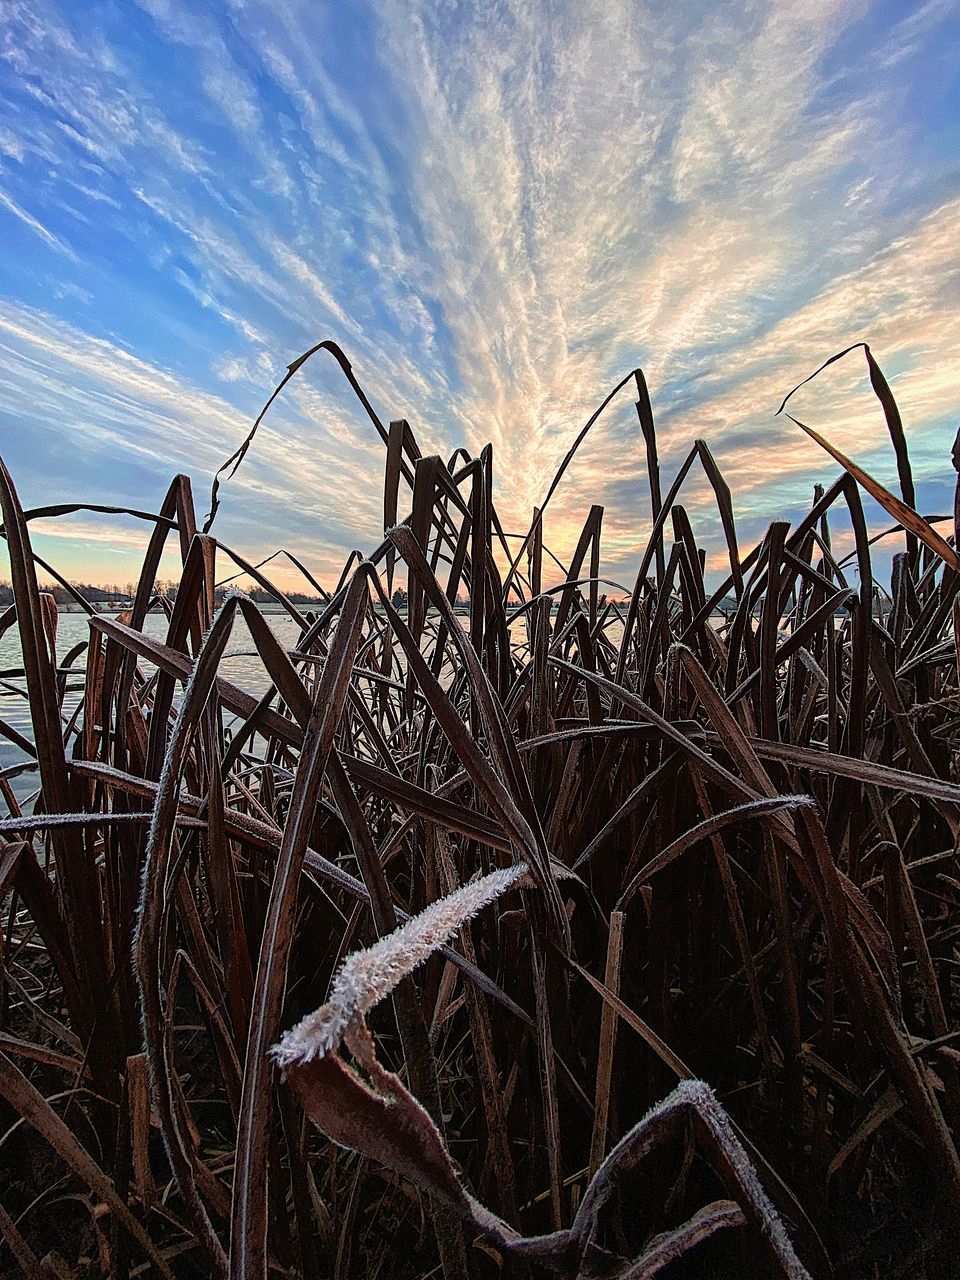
576,935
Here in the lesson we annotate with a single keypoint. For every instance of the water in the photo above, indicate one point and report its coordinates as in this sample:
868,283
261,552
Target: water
240,665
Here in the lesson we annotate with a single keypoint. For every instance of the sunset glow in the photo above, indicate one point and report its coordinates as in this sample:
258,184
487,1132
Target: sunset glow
497,214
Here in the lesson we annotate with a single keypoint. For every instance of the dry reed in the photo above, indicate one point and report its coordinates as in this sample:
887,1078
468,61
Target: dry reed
748,826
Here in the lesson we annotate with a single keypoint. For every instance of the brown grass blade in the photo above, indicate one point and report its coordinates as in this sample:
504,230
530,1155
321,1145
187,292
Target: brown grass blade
904,515
34,1109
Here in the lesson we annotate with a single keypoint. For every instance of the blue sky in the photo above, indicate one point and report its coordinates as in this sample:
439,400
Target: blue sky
497,210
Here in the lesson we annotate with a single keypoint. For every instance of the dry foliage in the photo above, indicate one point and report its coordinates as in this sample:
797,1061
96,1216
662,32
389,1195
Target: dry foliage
723,849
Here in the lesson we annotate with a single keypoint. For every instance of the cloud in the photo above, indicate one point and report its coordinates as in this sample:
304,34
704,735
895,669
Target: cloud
11,146
35,225
298,488
498,211
142,402
596,192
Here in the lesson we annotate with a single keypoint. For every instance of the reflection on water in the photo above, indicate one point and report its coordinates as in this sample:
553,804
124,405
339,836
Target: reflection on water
241,665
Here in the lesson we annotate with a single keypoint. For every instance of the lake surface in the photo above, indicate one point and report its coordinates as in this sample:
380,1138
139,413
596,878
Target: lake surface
240,664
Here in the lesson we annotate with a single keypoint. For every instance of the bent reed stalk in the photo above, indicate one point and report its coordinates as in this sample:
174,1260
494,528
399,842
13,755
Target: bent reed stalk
662,890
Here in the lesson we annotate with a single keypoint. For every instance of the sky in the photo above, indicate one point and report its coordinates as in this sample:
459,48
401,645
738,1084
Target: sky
497,210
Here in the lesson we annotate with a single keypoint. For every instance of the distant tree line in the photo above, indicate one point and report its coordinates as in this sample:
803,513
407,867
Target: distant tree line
115,592
89,592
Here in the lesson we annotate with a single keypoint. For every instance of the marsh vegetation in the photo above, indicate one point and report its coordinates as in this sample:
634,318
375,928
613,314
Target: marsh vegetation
738,838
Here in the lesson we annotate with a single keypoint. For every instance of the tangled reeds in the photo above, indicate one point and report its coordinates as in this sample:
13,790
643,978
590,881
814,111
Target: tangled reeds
611,860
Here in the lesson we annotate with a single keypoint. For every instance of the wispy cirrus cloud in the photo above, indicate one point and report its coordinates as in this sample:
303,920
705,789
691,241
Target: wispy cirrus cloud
34,224
497,210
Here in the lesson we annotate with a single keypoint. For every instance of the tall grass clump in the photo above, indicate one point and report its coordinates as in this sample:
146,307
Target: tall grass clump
565,935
